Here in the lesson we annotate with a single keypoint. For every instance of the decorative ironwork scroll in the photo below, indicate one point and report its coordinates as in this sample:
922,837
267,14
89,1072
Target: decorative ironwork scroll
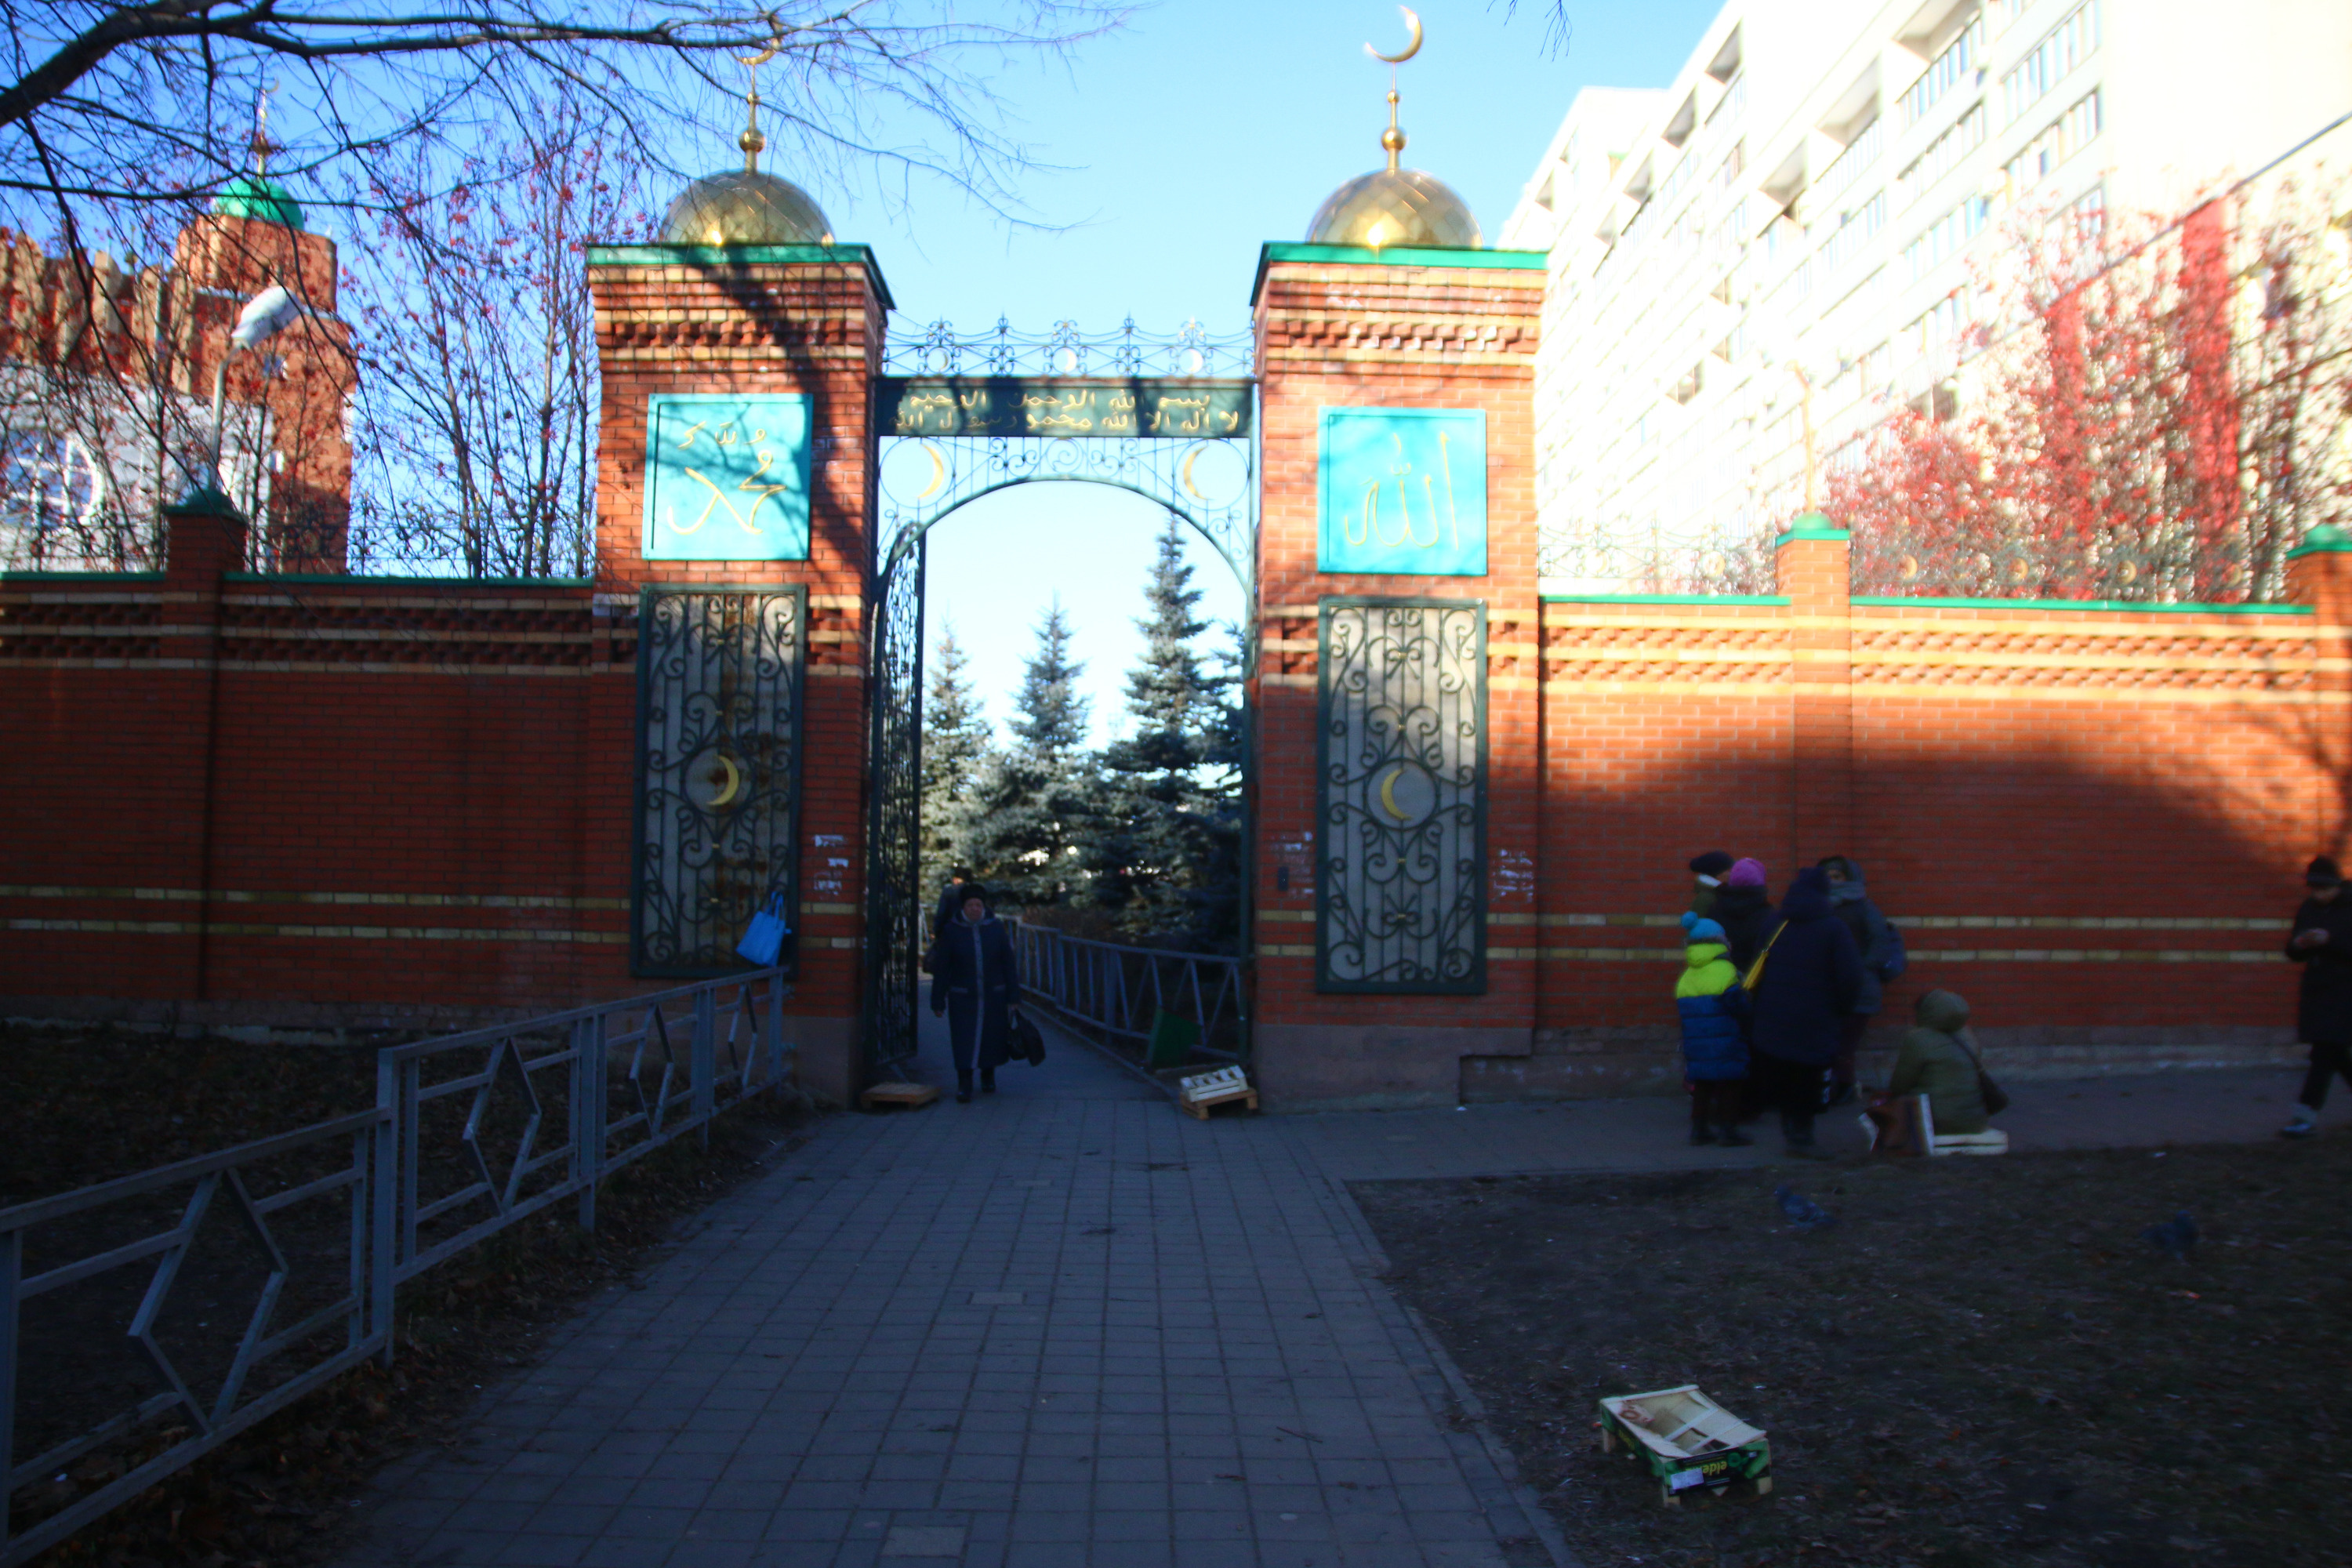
1400,798
720,673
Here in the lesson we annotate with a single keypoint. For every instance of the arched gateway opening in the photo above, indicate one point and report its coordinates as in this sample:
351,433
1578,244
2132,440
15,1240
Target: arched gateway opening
1173,420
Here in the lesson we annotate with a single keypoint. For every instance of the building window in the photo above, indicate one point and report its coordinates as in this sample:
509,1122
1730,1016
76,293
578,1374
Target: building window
1855,229
1727,173
1943,154
2059,141
1946,71
1936,335
2067,46
1942,240
1852,164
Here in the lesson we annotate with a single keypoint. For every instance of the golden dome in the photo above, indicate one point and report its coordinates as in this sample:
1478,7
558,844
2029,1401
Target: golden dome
1396,207
743,207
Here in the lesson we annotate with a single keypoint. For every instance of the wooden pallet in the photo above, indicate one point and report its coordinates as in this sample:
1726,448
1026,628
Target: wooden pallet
1222,1087
910,1094
1199,1107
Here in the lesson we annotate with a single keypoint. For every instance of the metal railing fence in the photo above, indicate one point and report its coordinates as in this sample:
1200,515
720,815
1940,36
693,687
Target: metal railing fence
1119,990
453,1152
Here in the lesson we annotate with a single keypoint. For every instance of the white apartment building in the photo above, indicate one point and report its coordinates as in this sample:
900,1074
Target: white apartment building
1804,199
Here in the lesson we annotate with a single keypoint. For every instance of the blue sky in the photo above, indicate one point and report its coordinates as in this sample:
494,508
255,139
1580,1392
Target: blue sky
1203,130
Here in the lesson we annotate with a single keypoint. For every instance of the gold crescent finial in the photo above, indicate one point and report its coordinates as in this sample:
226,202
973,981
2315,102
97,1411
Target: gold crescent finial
1413,21
752,141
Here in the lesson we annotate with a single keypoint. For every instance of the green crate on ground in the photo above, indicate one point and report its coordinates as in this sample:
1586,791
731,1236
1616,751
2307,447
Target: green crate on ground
1172,1039
1687,1440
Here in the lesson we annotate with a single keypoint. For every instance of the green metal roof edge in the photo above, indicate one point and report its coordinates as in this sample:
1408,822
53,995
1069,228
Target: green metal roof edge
1663,598
361,580
81,577
1274,250
1813,525
2130,606
741,256
2325,539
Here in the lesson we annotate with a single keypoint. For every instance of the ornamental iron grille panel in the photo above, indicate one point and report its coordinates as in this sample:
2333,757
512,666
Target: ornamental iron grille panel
1400,798
720,674
894,858
1172,419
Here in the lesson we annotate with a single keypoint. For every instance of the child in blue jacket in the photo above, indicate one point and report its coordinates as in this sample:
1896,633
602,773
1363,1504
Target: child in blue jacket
1713,1008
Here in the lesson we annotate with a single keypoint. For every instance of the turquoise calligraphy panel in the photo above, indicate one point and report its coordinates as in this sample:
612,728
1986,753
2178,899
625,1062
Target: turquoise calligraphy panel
1403,492
727,477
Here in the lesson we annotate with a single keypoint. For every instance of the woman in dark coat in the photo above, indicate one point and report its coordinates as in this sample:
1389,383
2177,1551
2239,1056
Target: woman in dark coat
1812,974
1744,910
976,982
2322,943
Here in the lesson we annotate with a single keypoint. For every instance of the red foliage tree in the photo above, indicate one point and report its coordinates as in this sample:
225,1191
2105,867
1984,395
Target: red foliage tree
2148,411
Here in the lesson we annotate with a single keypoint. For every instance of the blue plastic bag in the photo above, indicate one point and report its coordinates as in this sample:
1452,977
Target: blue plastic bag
763,941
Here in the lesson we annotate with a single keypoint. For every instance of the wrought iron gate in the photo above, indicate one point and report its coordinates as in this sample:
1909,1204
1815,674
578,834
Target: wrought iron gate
1172,419
720,674
1400,798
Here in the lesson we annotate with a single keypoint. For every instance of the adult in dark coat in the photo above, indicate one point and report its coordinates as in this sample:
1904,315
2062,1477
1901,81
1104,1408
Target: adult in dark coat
1812,974
1706,875
1744,910
976,982
1876,937
950,901
2322,943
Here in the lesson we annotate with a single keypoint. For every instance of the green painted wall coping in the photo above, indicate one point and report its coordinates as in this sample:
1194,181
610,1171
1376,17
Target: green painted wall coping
353,580
1813,525
2128,607
733,256
81,577
2326,540
1275,251
1665,598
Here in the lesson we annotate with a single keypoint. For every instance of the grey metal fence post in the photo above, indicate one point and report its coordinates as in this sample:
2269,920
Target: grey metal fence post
384,1176
596,1102
12,1264
704,1057
772,1032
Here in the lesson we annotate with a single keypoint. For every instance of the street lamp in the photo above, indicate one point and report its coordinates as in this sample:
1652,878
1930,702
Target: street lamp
265,315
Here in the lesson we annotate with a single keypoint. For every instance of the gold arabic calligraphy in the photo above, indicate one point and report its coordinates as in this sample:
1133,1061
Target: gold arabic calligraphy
1078,411
1366,524
728,434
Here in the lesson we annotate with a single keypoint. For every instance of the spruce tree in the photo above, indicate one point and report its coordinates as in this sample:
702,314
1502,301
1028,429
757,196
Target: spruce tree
957,743
1034,806
1172,865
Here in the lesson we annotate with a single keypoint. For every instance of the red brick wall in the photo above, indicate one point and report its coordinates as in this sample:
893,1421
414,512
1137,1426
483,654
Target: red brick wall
288,801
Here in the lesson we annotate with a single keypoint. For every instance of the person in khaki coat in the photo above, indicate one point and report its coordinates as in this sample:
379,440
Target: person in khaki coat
1935,1061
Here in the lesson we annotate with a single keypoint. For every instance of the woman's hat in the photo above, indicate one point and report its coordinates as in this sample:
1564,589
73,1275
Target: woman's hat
1713,863
1746,874
2322,872
973,891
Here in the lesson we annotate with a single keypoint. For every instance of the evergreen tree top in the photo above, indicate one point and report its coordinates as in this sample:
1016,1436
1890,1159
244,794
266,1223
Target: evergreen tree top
1050,714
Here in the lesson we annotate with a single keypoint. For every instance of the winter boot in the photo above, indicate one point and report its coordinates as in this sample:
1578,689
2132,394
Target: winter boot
2305,1125
963,1089
987,1083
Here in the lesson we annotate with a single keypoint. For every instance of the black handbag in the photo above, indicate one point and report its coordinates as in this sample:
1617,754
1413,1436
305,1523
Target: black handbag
1028,1043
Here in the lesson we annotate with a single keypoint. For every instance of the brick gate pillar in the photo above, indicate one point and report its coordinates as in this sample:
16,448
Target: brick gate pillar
1812,562
1344,328
805,319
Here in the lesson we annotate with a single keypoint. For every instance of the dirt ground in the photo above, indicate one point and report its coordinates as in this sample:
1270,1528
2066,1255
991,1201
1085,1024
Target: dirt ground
86,1106
1982,1363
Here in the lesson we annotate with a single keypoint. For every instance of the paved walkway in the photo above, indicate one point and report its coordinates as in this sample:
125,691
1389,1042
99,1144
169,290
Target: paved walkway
1064,1325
